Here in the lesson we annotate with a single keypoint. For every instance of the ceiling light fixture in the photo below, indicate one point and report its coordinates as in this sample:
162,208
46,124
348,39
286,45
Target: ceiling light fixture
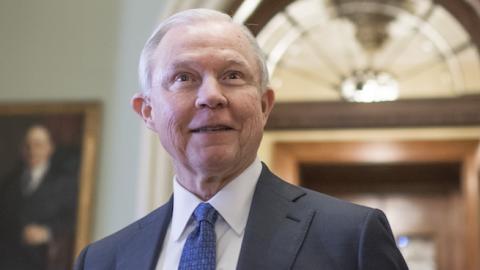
369,86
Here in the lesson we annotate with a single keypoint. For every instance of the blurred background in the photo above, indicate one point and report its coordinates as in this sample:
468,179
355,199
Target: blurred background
378,102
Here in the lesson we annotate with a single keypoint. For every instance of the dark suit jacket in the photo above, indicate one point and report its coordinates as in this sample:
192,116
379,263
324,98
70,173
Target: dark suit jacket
288,228
52,204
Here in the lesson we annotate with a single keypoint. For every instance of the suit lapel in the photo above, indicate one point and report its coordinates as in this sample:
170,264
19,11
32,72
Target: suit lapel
276,226
142,250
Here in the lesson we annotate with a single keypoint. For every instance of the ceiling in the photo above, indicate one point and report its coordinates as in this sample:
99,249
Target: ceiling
430,49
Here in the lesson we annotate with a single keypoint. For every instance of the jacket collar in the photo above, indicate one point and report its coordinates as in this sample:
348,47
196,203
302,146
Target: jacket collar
144,247
276,226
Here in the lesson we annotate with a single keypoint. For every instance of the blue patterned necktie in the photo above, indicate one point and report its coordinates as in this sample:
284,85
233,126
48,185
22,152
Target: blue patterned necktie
199,251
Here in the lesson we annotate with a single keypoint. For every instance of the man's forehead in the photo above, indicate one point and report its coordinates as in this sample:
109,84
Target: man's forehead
203,26
221,34
182,44
38,134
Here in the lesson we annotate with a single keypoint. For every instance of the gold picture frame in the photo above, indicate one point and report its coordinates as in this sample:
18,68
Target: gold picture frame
74,129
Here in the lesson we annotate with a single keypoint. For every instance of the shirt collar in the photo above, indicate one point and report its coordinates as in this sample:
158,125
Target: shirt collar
232,202
39,171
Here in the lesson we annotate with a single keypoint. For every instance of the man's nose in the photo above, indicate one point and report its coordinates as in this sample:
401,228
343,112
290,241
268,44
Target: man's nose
210,95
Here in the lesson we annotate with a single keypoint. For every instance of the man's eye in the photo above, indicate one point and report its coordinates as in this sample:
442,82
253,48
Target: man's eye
182,81
183,77
234,75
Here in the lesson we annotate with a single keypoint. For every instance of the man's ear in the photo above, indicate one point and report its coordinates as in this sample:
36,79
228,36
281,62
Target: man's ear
268,99
141,105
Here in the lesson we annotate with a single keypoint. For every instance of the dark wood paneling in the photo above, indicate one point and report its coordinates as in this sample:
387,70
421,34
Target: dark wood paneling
464,111
458,238
423,178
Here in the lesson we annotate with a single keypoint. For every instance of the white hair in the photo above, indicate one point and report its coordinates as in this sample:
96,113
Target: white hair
191,16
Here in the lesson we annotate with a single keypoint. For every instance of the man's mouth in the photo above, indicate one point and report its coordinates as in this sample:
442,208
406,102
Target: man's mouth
215,128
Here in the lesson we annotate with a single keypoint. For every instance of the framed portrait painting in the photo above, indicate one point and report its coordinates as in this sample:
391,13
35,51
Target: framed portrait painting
47,169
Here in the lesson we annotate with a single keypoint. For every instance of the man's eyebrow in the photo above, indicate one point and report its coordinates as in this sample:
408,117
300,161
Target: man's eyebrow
182,63
237,62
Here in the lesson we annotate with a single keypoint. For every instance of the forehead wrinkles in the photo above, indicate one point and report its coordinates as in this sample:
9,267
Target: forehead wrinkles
184,46
215,60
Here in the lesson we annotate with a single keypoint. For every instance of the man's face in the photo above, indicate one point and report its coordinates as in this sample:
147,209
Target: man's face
206,105
38,147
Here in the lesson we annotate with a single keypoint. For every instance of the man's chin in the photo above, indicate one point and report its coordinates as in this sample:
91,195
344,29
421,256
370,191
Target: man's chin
216,161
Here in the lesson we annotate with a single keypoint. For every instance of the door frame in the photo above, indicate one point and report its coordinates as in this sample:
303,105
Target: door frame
287,155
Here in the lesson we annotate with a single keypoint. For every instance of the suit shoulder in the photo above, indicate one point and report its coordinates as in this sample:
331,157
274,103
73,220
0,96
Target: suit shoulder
107,247
322,203
331,206
326,207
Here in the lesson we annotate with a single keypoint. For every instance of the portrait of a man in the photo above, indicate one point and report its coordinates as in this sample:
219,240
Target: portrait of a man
38,200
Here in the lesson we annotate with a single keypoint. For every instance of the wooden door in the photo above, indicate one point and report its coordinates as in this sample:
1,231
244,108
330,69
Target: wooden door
421,200
428,189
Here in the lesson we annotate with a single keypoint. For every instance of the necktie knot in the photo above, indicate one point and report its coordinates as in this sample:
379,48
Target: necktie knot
205,212
199,250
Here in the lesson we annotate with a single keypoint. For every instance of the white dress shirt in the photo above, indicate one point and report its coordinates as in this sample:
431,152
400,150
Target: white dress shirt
233,205
36,176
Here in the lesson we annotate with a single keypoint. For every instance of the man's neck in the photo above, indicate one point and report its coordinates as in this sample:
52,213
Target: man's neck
206,185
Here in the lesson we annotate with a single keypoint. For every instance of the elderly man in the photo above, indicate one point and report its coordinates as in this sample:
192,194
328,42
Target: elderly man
205,94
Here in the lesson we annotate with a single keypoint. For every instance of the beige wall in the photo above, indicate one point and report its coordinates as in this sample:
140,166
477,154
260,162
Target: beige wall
57,50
